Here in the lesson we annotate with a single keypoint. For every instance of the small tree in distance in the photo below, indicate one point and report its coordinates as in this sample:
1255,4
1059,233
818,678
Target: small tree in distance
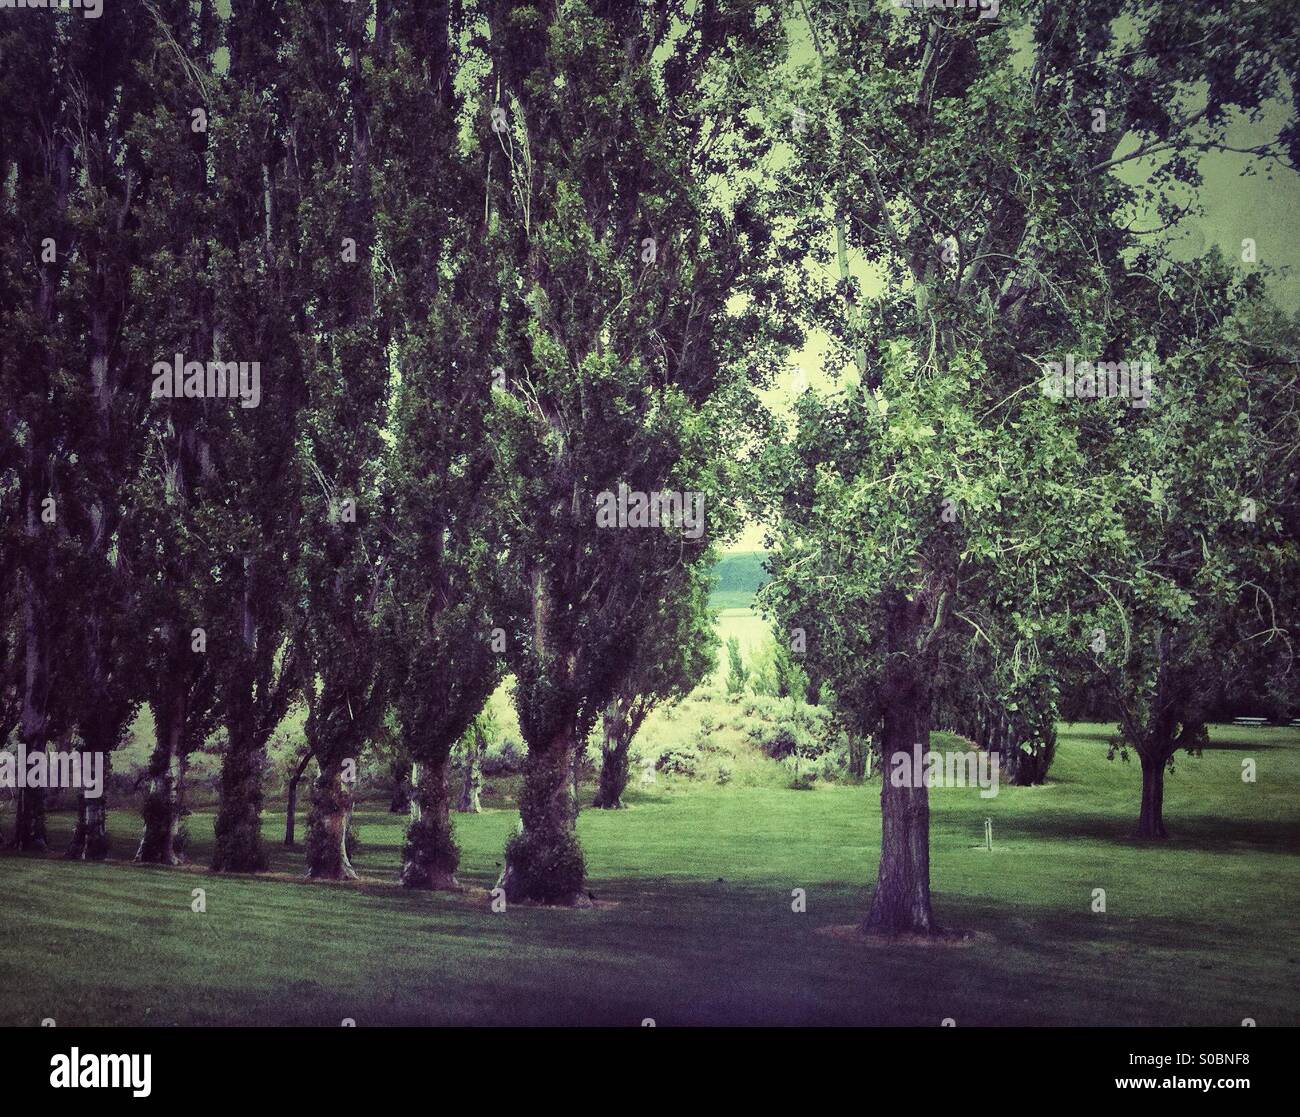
675,651
737,672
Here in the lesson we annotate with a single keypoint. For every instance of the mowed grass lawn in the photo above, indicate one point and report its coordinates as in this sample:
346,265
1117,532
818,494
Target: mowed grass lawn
696,923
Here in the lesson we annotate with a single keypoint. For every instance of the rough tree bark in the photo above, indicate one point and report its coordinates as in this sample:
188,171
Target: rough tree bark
239,817
544,862
900,904
613,773
327,824
620,726
430,855
90,832
161,810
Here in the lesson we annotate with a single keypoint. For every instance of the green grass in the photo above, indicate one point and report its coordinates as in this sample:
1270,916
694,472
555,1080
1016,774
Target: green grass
699,927
747,626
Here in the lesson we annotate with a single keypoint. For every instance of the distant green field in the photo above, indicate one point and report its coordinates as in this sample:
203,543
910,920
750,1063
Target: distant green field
696,925
746,626
739,576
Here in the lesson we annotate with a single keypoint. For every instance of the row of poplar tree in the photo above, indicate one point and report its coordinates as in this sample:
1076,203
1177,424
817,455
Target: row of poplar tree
496,258
481,259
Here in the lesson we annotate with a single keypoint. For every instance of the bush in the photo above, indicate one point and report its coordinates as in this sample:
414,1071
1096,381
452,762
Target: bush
804,781
550,872
704,743
505,758
765,707
678,761
737,673
779,743
802,733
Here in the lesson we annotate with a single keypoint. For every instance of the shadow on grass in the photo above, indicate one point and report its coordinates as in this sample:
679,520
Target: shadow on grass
1204,833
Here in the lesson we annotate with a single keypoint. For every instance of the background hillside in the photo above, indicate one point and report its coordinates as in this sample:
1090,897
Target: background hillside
739,577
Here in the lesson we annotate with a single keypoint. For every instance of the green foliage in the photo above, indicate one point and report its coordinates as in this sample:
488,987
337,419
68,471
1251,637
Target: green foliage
776,672
679,761
935,495
1199,586
549,866
737,672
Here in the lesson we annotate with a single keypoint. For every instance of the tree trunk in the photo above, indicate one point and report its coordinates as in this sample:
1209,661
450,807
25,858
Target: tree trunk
29,819
400,801
161,810
180,841
613,761
90,833
900,904
857,757
291,806
430,855
472,785
1151,822
327,824
239,816
575,775
33,725
544,861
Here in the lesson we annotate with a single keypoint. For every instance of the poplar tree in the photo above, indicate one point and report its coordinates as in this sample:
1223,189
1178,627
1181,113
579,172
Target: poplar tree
257,265
176,496
449,601
346,365
615,157
106,94
37,179
675,650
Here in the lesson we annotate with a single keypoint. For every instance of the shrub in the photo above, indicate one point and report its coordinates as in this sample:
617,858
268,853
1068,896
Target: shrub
779,743
765,707
704,742
551,872
677,761
804,781
504,758
737,673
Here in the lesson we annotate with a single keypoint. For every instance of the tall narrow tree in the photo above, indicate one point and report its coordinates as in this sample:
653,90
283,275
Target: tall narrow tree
674,652
257,266
449,607
166,535
623,254
344,353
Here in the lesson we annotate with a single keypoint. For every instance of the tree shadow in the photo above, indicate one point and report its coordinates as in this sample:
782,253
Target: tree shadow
1207,833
